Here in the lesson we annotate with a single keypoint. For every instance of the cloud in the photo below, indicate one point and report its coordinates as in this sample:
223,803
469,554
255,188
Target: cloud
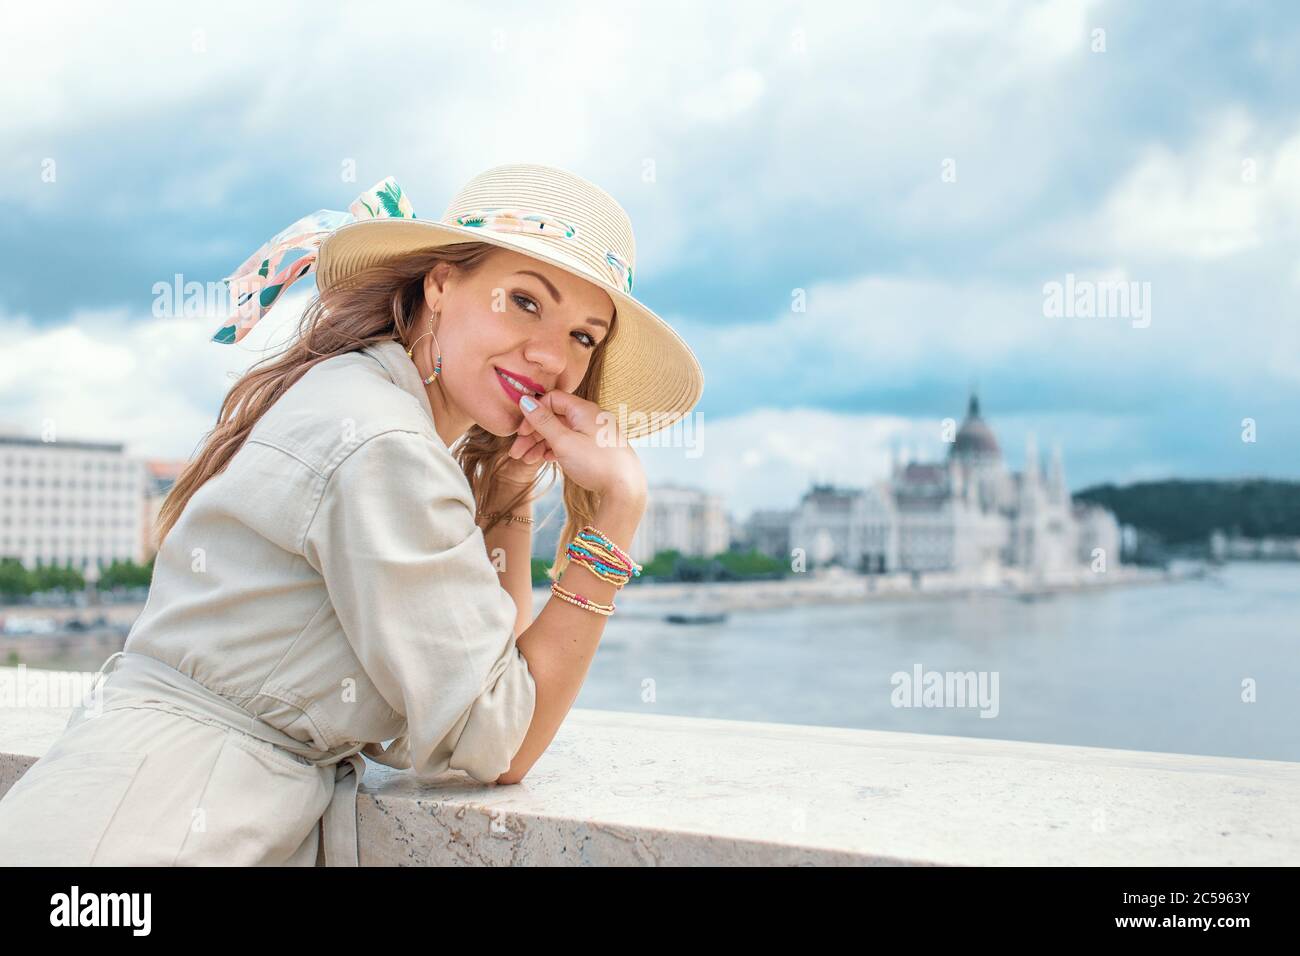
1232,191
768,457
155,384
733,94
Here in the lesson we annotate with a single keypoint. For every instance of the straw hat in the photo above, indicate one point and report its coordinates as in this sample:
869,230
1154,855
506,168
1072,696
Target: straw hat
650,376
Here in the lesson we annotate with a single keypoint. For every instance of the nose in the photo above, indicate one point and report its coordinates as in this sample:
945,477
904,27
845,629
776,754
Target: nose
545,357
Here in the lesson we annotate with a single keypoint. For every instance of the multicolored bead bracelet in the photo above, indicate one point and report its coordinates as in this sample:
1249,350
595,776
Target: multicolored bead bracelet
595,551
580,601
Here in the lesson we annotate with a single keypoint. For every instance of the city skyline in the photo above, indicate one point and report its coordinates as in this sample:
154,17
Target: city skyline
897,454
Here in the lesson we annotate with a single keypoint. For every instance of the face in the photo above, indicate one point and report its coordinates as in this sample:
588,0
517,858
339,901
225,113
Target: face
514,315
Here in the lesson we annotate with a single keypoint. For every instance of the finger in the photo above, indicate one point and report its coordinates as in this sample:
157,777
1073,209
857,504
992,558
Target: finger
548,424
578,414
524,444
534,454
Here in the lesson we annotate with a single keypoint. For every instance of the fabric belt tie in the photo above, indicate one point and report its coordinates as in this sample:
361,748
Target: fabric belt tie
146,681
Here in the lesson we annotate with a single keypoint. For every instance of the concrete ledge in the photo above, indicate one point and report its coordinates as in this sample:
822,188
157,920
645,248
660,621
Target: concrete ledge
620,788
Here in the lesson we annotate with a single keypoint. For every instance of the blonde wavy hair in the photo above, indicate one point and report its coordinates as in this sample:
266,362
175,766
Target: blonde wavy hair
381,303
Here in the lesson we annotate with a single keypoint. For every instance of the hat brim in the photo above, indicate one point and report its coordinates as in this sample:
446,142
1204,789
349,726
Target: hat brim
650,375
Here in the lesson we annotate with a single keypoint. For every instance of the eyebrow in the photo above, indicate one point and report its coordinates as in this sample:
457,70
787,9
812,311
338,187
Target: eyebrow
555,294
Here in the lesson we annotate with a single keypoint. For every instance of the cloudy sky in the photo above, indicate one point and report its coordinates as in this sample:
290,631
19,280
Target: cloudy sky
915,174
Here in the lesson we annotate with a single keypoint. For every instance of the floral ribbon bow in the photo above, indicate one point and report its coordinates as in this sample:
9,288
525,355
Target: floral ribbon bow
291,254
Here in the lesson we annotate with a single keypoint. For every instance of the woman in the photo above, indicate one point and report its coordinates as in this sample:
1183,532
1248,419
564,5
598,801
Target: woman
346,563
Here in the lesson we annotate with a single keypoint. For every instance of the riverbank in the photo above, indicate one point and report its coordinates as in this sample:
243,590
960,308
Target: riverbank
835,586
59,645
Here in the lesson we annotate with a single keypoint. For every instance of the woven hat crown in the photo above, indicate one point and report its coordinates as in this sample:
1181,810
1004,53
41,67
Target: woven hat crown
599,224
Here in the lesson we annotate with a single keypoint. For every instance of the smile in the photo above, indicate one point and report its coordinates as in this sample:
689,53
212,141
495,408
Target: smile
514,387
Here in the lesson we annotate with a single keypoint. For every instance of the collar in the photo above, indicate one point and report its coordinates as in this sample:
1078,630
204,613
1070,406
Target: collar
402,371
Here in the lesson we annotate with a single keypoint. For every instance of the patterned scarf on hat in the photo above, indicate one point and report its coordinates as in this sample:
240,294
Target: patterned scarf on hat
291,253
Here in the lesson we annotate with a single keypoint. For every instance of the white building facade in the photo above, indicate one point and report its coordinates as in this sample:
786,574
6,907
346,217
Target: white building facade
70,501
682,519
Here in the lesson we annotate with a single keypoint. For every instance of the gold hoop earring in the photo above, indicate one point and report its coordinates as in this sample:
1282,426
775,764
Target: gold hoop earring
437,366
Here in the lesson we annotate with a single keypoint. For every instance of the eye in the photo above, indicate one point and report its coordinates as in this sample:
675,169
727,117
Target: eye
587,340
523,298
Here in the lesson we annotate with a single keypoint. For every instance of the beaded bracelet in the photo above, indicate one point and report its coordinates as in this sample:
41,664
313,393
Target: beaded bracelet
616,575
580,601
602,557
618,552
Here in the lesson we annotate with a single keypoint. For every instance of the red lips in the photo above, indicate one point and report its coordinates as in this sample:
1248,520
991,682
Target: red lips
536,387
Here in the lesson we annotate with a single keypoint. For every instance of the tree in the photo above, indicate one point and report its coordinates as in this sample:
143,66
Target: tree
15,580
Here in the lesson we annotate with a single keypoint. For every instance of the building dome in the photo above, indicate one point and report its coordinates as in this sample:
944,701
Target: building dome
975,440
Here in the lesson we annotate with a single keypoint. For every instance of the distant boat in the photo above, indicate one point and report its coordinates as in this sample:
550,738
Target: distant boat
683,618
1032,597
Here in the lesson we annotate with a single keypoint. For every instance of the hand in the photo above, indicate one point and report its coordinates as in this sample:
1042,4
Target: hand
586,441
517,473
526,456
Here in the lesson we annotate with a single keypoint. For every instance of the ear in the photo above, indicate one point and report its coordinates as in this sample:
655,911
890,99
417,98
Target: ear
435,280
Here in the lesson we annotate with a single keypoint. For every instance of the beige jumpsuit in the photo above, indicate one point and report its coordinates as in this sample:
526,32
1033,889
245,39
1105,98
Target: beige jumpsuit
327,592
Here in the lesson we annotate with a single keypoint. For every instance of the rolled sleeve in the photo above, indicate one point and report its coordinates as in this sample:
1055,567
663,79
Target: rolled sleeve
420,602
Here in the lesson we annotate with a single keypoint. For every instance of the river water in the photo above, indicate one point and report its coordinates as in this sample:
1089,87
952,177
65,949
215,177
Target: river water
1161,667
1149,667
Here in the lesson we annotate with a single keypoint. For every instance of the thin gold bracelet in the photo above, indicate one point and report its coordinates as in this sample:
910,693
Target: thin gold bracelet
521,519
